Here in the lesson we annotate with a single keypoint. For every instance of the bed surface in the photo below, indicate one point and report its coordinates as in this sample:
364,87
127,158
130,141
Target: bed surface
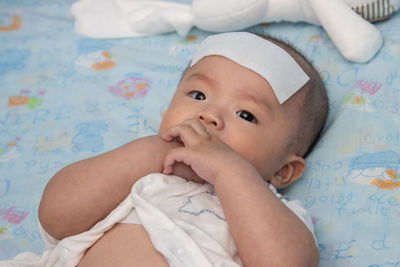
64,97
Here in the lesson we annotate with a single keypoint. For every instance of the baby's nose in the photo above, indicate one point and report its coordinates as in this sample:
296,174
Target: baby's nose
211,119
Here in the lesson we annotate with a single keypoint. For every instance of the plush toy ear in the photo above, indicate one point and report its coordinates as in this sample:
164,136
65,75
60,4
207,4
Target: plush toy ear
357,39
289,173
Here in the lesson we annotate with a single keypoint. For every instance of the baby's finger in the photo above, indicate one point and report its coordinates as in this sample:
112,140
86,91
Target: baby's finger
174,156
197,126
185,132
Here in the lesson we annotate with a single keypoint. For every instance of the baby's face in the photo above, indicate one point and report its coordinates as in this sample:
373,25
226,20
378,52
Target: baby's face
237,105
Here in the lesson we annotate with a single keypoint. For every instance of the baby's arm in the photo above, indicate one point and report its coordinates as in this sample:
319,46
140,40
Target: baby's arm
83,193
265,231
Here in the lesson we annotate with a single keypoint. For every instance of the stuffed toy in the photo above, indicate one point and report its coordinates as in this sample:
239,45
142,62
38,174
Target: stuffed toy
345,21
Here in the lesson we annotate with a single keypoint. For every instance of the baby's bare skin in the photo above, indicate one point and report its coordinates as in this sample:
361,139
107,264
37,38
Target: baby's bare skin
219,114
121,246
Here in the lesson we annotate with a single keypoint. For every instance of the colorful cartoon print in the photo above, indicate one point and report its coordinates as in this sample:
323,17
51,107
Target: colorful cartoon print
360,100
381,169
9,23
13,59
315,39
98,60
185,48
132,86
190,39
89,136
10,150
319,39
12,216
27,98
52,142
95,54
370,87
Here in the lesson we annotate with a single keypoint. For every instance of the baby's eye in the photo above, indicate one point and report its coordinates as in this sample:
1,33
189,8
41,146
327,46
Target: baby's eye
197,95
246,116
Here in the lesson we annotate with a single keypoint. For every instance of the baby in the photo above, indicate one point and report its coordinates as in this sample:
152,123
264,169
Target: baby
202,192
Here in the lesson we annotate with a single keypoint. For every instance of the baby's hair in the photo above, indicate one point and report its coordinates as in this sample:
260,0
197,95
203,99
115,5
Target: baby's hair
309,104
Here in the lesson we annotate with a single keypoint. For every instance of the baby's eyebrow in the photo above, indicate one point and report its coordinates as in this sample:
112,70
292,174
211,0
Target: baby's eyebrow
204,78
259,99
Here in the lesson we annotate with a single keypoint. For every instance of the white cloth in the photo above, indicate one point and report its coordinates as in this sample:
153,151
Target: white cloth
184,220
357,39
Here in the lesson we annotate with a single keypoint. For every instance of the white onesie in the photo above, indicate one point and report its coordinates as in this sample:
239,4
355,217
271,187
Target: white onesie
184,220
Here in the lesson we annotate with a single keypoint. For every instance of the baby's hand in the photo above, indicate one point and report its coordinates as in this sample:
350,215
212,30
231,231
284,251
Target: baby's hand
206,154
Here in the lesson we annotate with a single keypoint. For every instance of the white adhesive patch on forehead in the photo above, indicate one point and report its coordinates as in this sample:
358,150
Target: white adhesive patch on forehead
264,57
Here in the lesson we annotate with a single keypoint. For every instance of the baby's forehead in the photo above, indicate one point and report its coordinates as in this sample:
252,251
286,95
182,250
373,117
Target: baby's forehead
209,69
262,56
223,75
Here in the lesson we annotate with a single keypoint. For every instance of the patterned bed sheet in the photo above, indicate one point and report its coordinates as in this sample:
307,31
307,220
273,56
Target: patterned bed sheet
64,97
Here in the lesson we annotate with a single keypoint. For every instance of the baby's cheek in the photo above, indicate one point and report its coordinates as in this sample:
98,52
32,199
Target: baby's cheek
166,123
174,115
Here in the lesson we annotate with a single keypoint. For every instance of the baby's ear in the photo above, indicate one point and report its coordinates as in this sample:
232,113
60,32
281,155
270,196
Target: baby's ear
289,173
